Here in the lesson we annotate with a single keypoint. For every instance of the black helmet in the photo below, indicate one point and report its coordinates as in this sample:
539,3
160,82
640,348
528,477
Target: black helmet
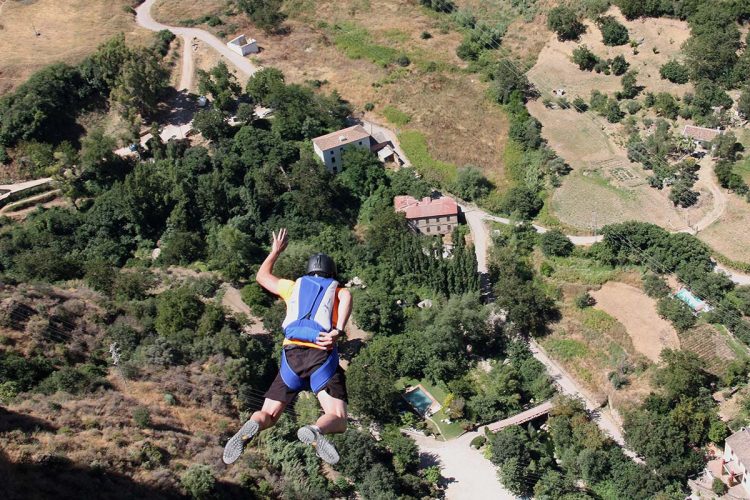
322,265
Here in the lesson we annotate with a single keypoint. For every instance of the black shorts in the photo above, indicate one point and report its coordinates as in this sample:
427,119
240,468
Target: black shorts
304,361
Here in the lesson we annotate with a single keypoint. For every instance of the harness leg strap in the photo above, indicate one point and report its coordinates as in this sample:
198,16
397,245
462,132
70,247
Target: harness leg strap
289,376
318,379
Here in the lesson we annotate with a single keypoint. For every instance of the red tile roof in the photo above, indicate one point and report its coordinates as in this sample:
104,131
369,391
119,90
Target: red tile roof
426,207
341,137
701,133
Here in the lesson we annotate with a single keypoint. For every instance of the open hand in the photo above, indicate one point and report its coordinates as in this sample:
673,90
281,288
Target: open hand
326,339
280,241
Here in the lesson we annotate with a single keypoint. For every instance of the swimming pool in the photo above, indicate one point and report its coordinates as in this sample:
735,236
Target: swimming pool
419,400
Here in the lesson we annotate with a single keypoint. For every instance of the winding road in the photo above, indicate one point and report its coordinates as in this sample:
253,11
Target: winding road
144,19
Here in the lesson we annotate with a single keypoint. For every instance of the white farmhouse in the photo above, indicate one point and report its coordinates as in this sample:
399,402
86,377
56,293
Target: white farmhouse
243,46
330,147
701,136
736,461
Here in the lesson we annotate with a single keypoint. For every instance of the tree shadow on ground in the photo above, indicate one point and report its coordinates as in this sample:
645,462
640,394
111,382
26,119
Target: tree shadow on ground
11,421
57,477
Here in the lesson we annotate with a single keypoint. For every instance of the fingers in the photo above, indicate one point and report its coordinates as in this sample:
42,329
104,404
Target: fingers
325,339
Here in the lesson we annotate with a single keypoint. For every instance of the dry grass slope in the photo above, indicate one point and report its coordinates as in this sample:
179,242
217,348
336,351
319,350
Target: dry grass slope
35,33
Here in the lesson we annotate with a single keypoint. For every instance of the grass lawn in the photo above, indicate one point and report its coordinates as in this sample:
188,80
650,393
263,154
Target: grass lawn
742,168
396,116
581,270
448,431
415,146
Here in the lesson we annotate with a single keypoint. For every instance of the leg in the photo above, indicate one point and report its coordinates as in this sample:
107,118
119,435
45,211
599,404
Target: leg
333,420
277,397
269,414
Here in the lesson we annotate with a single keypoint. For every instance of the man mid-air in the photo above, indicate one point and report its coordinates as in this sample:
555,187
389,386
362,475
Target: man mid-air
317,311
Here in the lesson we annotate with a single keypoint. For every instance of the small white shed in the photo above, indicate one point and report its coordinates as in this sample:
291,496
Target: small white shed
243,46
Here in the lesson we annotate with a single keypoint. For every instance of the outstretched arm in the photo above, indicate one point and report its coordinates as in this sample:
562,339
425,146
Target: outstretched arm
343,312
265,277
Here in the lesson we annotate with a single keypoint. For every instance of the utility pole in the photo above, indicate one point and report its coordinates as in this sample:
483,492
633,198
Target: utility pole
594,226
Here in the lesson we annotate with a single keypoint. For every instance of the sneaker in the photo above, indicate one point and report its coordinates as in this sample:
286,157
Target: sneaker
311,434
236,444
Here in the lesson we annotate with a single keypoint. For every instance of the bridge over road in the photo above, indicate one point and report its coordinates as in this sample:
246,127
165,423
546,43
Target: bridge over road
520,418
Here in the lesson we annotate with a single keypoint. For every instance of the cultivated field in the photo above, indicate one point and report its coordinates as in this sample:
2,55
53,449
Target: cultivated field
716,348
35,33
637,312
341,45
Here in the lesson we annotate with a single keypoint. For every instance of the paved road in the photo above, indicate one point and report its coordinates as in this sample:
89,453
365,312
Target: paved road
144,19
8,189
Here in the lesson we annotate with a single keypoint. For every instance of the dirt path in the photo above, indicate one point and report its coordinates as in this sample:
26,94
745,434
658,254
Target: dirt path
232,300
188,65
708,179
637,312
8,209
145,20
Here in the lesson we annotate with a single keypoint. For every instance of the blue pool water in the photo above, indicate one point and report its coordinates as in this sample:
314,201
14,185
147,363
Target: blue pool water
419,400
691,300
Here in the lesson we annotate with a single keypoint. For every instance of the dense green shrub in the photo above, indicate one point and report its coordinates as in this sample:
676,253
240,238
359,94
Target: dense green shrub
584,58
655,286
478,442
266,14
675,72
445,6
677,312
584,300
613,33
151,456
719,487
555,243
619,65
199,482
522,202
565,22
142,417
470,184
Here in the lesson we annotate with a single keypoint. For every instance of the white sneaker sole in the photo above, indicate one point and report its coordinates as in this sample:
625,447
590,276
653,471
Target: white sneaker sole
236,444
323,447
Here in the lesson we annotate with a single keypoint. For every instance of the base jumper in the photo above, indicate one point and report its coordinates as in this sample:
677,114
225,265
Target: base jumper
317,310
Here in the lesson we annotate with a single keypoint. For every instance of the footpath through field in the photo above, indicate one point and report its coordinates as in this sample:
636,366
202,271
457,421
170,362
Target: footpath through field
145,20
475,218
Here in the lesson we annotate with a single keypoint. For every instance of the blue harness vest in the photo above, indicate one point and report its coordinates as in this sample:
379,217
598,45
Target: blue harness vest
310,297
